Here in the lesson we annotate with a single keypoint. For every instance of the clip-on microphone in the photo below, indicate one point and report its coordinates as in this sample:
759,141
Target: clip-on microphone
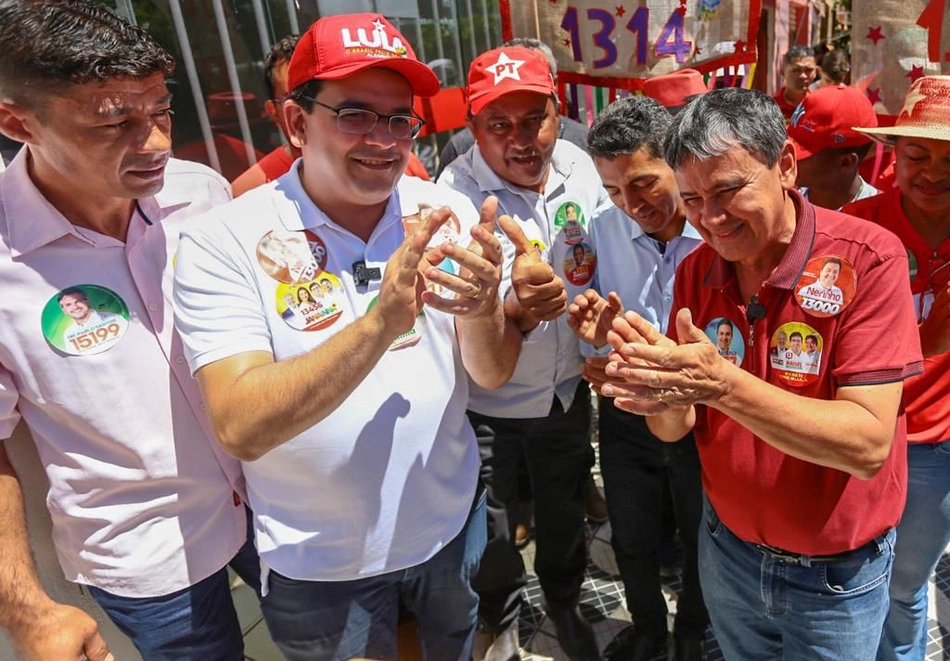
362,275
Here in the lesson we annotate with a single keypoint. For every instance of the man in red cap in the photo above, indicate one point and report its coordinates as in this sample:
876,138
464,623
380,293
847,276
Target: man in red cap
918,211
349,412
542,416
828,149
674,90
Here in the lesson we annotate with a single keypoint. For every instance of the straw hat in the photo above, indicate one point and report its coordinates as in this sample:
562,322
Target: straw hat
926,113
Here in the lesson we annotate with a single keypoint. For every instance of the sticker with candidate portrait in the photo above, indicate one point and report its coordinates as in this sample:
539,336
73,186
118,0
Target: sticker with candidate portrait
410,337
573,233
912,261
569,212
311,306
579,264
795,354
447,233
292,257
728,339
84,320
826,286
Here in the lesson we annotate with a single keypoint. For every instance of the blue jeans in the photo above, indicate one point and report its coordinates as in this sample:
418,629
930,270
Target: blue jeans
198,623
922,536
765,608
316,620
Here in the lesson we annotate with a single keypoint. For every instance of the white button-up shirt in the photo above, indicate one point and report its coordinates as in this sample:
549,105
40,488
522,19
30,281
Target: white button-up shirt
549,364
387,479
143,501
637,266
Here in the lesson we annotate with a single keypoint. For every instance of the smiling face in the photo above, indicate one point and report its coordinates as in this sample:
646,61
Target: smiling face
724,336
923,175
516,135
75,306
578,255
796,343
829,274
107,140
739,205
644,186
811,344
343,171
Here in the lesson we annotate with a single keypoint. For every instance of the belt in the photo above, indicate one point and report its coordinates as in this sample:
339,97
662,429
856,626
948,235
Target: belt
808,560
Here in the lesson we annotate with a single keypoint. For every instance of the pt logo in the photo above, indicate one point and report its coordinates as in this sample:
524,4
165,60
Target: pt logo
505,67
377,39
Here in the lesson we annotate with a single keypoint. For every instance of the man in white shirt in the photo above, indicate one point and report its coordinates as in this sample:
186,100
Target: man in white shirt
147,511
640,240
361,465
542,416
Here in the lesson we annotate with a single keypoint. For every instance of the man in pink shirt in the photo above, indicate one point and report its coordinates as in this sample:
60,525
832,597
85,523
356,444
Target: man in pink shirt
146,510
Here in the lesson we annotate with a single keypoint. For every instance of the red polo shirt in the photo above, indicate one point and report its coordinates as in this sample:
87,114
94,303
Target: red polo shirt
787,108
762,494
927,397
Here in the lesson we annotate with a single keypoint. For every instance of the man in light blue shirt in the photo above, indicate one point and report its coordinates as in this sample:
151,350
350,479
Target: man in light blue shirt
639,241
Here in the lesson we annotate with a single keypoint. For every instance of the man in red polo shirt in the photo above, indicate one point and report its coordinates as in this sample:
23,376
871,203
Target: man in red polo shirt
798,69
918,211
804,468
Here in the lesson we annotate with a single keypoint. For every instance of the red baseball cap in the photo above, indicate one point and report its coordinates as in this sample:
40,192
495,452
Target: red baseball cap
505,70
825,119
673,90
339,46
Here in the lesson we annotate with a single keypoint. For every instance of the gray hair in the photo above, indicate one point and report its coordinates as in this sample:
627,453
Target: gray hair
628,124
538,45
715,122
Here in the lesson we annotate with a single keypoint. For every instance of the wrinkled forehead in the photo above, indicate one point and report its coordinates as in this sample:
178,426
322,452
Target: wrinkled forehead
116,97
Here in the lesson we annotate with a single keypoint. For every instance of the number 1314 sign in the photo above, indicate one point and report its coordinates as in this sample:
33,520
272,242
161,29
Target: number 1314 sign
610,42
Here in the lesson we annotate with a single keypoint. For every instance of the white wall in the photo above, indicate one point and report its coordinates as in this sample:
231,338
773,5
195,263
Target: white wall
23,455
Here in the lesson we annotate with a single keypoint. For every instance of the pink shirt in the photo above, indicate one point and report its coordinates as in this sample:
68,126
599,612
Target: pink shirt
143,501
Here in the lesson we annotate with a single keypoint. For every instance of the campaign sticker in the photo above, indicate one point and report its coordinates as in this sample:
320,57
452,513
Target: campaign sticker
569,212
447,232
795,354
573,233
579,264
292,257
728,339
311,306
84,320
912,260
827,286
410,337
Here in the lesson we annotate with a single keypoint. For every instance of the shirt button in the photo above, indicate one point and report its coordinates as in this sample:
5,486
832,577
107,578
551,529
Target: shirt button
152,307
179,359
668,298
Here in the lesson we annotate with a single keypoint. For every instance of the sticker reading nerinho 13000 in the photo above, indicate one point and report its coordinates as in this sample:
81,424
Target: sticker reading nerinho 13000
83,320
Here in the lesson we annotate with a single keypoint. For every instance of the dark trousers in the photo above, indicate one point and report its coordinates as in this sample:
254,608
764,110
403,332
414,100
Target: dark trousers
636,466
555,451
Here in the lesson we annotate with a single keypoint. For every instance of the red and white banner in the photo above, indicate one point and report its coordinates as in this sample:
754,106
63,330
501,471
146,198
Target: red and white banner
614,42
894,42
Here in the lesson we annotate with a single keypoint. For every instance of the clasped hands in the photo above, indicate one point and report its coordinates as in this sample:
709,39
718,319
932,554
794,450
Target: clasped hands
646,372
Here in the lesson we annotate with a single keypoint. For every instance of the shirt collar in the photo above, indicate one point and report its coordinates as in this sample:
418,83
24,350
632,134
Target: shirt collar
636,232
32,222
489,182
793,262
298,212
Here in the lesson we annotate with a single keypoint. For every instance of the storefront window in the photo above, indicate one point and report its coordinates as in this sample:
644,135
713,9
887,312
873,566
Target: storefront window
220,46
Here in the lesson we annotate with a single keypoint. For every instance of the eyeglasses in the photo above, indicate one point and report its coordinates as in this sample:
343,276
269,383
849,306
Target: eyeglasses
359,121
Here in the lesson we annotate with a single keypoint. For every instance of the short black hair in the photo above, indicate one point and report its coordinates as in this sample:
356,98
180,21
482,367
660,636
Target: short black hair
47,44
794,333
72,291
797,52
628,124
836,65
303,93
282,51
723,322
